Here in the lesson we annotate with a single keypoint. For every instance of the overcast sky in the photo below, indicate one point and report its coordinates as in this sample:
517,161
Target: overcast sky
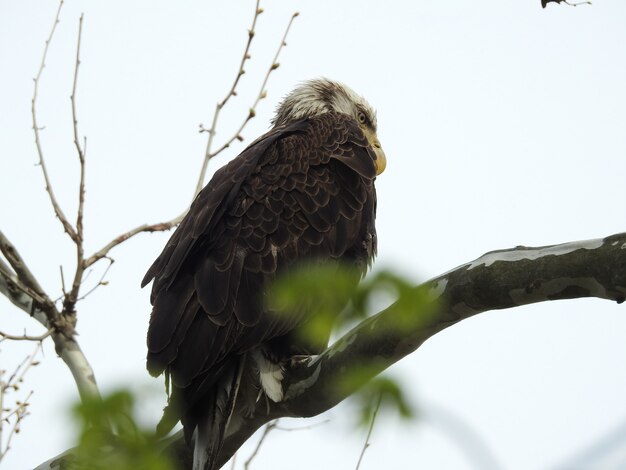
503,125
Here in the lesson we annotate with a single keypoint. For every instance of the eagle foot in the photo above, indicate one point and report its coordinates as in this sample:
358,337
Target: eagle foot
299,361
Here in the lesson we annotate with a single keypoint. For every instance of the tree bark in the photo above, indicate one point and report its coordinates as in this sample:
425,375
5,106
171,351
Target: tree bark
497,280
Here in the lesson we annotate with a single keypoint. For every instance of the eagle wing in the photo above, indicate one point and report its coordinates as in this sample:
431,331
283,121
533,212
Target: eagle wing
301,192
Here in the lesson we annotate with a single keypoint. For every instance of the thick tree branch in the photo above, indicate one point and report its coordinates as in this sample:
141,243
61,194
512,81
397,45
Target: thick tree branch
209,153
24,291
12,416
70,352
23,280
497,280
545,2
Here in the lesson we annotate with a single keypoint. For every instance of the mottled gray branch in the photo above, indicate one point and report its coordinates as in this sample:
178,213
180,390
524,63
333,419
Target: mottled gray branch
9,288
69,351
497,280
24,274
30,297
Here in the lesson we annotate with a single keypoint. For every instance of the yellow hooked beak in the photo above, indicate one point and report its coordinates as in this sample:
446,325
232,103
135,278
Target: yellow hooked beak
381,159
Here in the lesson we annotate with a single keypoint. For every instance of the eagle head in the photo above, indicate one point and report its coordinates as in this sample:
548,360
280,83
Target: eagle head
318,96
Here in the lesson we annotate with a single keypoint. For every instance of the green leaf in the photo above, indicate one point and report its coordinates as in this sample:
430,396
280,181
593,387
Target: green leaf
110,437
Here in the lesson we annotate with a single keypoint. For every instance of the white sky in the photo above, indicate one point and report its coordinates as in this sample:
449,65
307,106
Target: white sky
503,124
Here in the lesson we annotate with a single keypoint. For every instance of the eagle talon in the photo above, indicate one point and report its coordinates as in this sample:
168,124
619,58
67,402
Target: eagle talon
299,361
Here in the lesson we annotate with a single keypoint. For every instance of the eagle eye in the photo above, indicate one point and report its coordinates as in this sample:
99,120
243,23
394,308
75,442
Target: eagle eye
361,117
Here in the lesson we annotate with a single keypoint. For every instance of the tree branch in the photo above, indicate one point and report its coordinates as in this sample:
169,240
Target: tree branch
232,92
160,227
25,337
545,2
208,154
15,413
55,204
366,444
497,280
32,300
24,280
72,296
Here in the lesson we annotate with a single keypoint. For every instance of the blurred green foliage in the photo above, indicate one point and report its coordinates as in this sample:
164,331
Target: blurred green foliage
110,437
334,297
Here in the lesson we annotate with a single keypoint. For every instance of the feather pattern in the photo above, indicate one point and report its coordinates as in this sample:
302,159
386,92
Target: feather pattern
304,190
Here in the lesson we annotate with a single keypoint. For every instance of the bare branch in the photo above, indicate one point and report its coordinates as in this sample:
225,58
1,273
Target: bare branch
55,204
104,251
302,428
101,282
266,431
11,286
26,337
366,444
208,155
261,95
19,411
72,297
22,300
25,281
221,104
44,311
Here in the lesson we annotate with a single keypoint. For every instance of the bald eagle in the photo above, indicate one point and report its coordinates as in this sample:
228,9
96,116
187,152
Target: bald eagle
302,192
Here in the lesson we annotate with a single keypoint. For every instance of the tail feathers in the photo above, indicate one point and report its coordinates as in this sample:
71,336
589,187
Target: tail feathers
213,421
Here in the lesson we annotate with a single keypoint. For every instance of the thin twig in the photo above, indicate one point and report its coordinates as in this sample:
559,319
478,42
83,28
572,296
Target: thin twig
101,282
72,297
55,204
62,280
26,337
274,426
160,227
303,428
268,428
252,110
21,406
163,226
369,432
20,412
262,92
231,92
